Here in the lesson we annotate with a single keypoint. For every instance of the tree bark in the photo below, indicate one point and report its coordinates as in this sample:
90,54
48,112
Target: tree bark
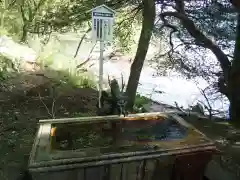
234,78
235,3
148,13
24,33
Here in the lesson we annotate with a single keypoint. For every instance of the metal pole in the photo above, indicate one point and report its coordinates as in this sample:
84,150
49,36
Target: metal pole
101,71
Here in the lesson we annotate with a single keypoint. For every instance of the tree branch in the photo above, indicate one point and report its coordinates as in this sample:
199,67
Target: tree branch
130,19
208,106
199,37
88,59
80,42
52,113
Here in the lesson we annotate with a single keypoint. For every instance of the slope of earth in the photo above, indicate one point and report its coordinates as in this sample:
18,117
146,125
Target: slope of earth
20,113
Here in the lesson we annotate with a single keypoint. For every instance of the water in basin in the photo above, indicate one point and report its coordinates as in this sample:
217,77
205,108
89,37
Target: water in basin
96,135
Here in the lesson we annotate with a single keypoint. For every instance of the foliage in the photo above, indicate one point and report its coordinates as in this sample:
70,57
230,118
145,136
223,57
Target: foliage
73,13
46,52
64,16
82,81
141,100
42,17
6,67
186,54
49,61
10,21
125,28
75,80
140,104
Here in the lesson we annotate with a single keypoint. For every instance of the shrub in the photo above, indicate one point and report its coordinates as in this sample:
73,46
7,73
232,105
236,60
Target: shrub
80,80
140,103
141,100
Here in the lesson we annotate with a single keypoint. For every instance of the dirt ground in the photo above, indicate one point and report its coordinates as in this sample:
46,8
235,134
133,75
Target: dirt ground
19,115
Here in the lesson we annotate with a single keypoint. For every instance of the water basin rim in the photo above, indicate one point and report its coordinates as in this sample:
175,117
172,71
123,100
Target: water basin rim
172,151
47,167
104,118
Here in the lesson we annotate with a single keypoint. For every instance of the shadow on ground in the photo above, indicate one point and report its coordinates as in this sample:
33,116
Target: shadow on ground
27,98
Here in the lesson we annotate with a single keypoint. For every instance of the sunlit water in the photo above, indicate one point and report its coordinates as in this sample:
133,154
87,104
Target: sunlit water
159,131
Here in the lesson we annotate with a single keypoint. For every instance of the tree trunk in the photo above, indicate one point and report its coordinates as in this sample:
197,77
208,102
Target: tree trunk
234,78
24,33
149,12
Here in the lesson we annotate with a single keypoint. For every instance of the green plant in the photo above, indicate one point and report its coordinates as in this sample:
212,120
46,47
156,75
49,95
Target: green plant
6,67
47,52
140,104
125,29
141,100
79,80
47,61
3,76
86,82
